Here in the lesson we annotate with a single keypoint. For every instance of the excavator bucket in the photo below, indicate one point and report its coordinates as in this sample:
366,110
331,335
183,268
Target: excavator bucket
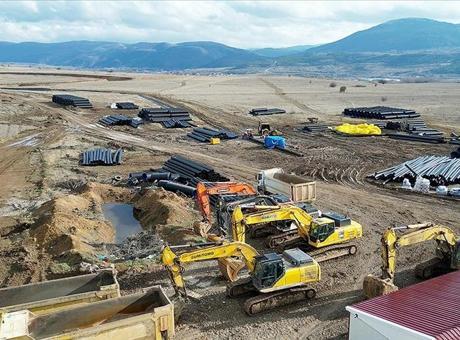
201,228
230,268
374,286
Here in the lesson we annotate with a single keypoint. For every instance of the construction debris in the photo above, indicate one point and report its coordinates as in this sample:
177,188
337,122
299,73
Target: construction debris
440,170
141,245
120,120
380,112
101,157
159,115
70,100
263,111
205,134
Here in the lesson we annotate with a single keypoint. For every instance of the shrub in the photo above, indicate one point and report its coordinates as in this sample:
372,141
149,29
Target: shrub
384,99
333,84
343,89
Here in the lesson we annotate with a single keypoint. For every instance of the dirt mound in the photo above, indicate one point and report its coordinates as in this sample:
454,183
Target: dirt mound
72,223
72,226
168,214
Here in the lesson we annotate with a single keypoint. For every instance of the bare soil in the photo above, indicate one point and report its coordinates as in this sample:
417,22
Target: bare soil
44,213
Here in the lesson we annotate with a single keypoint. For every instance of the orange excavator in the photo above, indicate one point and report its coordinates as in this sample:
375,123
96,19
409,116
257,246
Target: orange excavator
205,189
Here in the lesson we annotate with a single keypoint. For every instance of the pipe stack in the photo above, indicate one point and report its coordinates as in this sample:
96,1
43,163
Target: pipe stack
440,170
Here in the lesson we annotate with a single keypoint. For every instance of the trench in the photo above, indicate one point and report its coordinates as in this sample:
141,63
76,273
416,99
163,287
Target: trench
121,215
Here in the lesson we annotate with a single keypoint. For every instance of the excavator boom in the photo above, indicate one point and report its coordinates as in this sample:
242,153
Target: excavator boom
173,262
267,214
447,251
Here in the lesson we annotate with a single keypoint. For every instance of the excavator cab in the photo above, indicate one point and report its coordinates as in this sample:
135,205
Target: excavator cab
269,268
264,129
321,229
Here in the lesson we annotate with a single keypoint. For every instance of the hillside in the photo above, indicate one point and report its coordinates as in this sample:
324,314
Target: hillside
153,56
398,48
282,51
398,35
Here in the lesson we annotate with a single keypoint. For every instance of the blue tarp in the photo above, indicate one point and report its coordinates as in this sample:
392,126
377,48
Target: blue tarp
272,142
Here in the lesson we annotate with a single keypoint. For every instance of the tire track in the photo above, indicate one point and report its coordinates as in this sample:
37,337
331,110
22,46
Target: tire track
280,93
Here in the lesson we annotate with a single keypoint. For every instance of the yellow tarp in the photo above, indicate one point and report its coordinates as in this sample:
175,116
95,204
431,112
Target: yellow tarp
358,129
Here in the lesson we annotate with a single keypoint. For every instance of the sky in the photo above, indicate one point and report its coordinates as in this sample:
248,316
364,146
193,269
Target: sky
245,24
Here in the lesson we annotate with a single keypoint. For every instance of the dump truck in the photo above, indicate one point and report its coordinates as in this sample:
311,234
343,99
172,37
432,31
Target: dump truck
276,181
49,296
147,315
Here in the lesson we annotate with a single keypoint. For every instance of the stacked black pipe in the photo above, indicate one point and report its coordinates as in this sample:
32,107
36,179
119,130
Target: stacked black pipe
70,100
126,106
380,112
204,134
115,120
120,120
263,111
158,115
433,139
173,123
192,171
102,157
314,127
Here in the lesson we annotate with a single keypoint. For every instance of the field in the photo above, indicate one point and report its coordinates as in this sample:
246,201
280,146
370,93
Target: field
41,143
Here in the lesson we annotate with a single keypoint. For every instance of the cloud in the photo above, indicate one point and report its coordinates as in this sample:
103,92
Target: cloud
238,23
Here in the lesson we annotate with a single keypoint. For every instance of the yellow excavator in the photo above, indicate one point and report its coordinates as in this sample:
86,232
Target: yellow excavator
275,279
323,237
447,255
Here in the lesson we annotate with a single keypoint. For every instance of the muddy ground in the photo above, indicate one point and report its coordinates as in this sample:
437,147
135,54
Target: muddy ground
50,213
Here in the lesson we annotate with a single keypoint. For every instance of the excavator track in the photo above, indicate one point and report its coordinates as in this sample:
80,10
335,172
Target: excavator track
288,240
240,287
283,240
268,301
332,252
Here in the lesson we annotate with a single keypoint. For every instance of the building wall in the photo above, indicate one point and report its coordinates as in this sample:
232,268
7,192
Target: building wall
364,326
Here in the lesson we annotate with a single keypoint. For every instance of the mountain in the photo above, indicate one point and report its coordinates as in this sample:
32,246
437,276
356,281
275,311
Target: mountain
398,35
153,56
281,52
403,48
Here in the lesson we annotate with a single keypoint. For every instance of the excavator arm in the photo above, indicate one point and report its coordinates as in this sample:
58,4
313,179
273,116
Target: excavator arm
219,188
268,214
417,233
173,262
448,246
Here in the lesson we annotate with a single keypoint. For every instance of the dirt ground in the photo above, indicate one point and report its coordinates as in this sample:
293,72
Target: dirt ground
41,142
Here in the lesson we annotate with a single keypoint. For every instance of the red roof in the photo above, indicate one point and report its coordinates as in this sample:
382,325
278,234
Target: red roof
431,307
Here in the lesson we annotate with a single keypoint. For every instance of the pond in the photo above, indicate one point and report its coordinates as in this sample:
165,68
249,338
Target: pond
121,215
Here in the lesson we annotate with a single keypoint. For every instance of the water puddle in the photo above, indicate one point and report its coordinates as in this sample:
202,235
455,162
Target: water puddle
122,218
